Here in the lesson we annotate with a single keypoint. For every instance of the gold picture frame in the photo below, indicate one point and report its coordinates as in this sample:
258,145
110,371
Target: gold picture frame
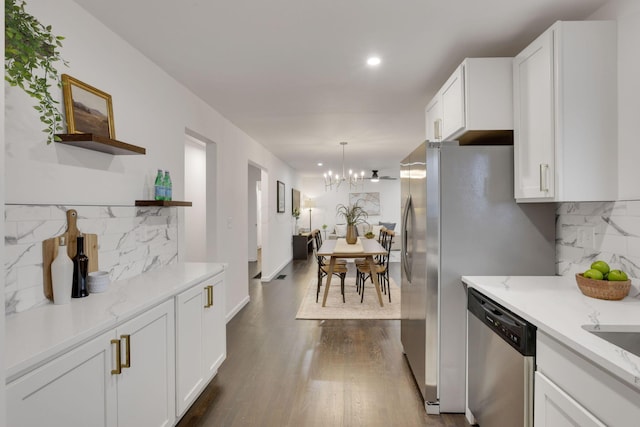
88,109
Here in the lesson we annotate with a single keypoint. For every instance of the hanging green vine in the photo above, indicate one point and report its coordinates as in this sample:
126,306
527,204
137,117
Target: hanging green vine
29,56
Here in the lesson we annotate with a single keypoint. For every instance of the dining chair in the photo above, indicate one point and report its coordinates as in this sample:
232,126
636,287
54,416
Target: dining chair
339,269
382,236
381,268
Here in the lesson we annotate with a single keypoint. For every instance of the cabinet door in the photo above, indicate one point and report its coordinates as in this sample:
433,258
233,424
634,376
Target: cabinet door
554,408
453,118
433,119
215,329
534,112
189,332
76,389
146,388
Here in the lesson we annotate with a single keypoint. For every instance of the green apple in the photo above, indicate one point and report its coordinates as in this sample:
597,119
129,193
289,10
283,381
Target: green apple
617,276
601,266
592,273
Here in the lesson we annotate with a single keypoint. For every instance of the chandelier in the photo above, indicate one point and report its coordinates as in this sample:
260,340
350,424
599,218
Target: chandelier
353,179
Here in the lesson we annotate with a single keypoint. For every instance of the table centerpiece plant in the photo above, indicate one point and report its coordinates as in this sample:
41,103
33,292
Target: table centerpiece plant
353,215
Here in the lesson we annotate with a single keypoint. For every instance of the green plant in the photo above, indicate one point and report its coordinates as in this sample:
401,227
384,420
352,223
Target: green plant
353,215
31,50
296,213
324,226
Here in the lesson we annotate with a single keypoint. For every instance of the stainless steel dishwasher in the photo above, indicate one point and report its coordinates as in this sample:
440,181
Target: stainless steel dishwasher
501,363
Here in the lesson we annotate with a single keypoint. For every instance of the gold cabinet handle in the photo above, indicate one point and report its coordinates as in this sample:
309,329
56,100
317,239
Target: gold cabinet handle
437,129
209,296
544,169
118,369
127,341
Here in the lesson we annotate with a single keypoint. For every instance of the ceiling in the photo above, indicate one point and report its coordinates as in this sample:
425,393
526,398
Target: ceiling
292,73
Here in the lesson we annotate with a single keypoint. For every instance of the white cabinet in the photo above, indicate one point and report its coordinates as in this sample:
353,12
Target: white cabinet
201,338
124,377
475,104
555,408
565,119
452,100
572,391
76,389
433,116
146,384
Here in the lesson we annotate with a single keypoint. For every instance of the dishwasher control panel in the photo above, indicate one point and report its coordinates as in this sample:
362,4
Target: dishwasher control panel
513,329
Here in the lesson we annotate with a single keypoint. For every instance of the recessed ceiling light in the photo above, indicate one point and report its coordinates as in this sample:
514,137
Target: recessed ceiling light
319,163
373,61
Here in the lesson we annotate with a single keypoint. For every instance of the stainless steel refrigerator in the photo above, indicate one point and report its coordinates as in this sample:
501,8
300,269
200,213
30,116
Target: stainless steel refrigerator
460,218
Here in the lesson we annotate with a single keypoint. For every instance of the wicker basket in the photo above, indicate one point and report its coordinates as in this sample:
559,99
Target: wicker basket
603,289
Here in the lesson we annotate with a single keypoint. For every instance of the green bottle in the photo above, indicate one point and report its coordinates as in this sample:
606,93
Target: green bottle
167,186
159,186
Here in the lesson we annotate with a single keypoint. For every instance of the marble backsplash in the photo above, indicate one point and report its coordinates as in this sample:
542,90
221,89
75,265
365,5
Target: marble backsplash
131,241
590,231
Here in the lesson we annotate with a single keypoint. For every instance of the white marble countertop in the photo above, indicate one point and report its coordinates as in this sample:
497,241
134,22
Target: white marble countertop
36,336
557,307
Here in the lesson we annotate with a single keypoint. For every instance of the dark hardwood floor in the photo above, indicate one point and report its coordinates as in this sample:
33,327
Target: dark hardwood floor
286,372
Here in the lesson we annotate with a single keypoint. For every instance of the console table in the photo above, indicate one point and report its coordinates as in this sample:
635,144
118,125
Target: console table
302,246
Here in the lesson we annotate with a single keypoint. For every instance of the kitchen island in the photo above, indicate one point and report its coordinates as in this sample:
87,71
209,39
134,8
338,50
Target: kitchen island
599,378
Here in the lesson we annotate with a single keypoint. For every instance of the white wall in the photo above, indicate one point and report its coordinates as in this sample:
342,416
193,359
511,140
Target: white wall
2,185
151,110
326,201
627,15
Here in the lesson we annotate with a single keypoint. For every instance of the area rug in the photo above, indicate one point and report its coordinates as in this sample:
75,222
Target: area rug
352,308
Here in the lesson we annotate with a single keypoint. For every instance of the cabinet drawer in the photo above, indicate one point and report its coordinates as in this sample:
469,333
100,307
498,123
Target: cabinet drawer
554,407
606,397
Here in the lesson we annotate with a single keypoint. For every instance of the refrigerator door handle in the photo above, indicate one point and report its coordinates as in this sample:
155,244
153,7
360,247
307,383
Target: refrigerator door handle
406,262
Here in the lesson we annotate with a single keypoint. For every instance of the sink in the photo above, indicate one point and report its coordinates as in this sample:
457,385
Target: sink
623,336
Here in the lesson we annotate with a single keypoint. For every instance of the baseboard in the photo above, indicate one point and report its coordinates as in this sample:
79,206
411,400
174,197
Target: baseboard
268,278
237,308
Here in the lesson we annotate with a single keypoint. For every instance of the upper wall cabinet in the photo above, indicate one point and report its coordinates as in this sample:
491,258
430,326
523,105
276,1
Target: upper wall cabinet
434,119
475,104
565,114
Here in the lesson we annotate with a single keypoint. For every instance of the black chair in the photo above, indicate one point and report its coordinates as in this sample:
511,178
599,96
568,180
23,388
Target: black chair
339,269
381,268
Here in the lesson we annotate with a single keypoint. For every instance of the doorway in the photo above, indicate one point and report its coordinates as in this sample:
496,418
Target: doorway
200,188
254,221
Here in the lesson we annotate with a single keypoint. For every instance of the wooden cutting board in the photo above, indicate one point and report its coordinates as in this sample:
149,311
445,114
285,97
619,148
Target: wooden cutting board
50,249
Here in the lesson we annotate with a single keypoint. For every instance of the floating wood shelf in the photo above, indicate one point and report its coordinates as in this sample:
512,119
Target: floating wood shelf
99,143
162,203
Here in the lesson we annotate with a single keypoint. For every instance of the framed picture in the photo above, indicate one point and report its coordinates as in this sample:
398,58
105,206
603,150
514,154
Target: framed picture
370,202
295,200
88,109
280,197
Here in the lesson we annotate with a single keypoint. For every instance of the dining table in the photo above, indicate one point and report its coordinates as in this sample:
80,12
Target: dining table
363,248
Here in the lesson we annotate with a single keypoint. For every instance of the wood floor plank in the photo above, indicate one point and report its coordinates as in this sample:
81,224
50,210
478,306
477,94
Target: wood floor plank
286,372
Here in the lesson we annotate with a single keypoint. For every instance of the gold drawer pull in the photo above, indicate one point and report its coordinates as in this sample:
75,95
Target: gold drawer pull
118,369
127,341
209,296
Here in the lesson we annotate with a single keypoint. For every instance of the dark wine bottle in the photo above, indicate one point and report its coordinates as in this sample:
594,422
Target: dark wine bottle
80,270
